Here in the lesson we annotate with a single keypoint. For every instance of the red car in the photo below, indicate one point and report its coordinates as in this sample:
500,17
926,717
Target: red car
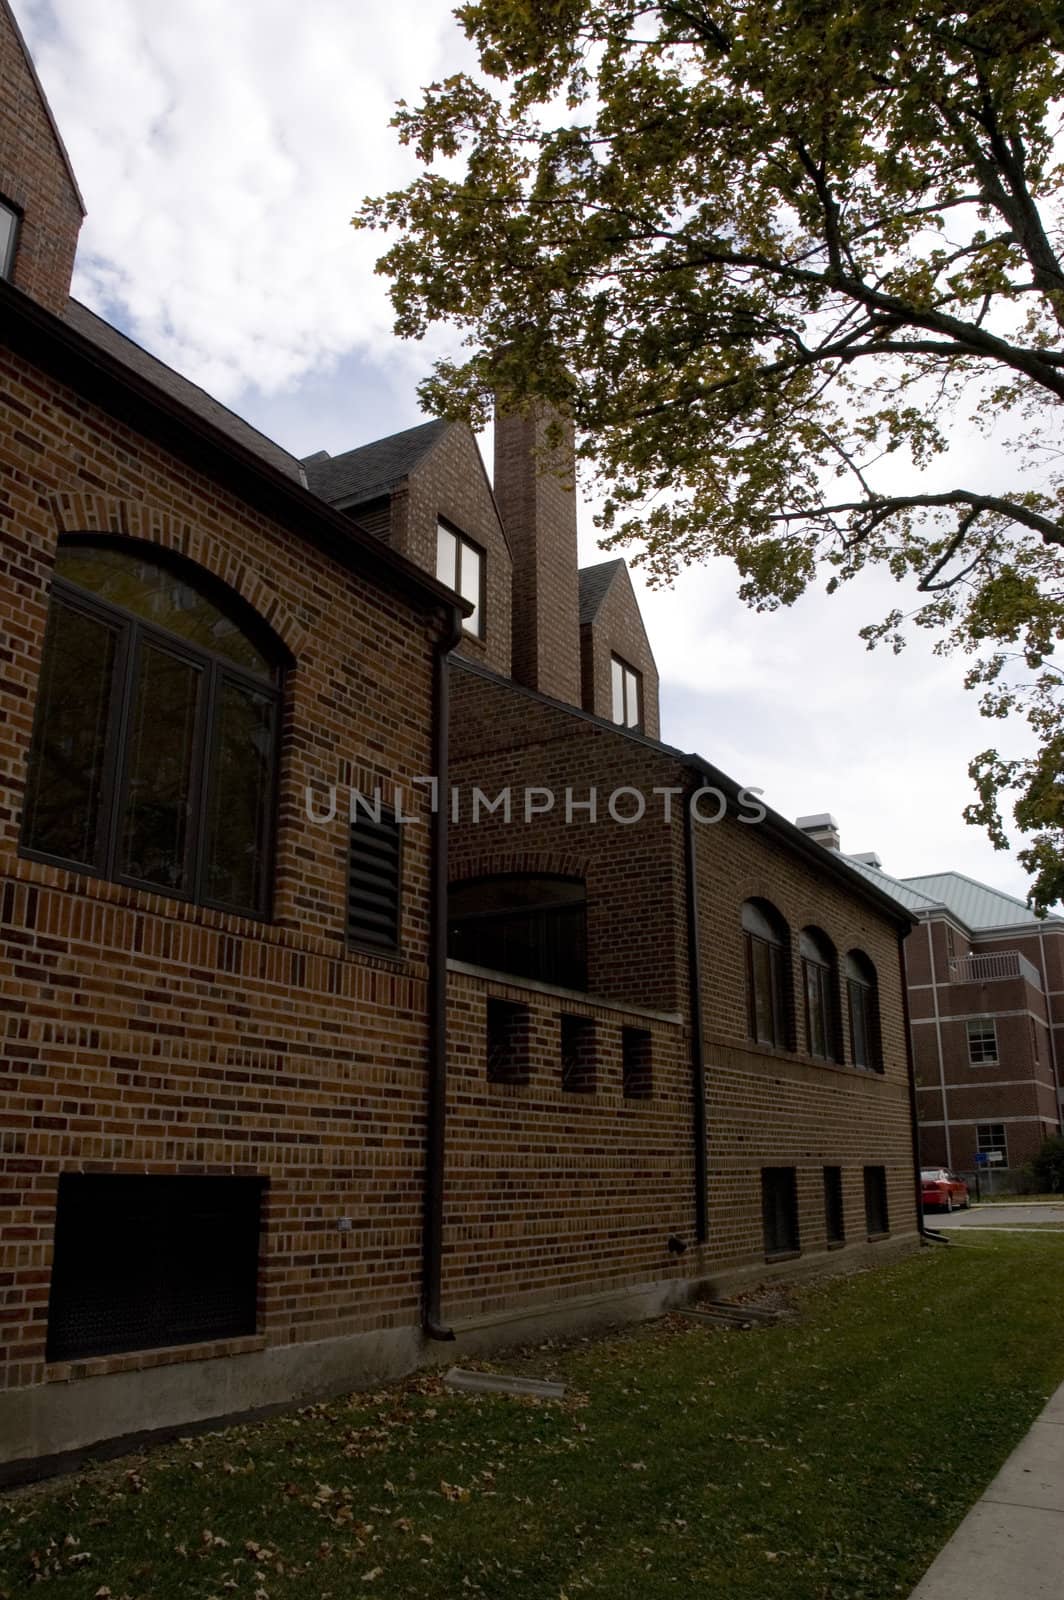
943,1189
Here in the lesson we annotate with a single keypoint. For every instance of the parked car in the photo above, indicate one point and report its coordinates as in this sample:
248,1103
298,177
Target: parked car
943,1189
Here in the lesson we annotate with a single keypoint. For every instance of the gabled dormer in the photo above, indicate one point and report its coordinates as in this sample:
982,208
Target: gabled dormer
41,208
619,677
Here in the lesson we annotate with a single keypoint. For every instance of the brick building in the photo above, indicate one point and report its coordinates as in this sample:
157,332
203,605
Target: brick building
292,1084
986,1000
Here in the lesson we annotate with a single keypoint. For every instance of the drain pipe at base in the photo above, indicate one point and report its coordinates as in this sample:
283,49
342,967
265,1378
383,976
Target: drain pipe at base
436,1123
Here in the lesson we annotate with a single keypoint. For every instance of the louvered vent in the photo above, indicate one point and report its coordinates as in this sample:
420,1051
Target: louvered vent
373,884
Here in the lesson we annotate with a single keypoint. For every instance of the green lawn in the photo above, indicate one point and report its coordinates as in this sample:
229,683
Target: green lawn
826,1459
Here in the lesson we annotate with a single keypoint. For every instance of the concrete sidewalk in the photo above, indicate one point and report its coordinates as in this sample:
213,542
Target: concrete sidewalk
1010,1546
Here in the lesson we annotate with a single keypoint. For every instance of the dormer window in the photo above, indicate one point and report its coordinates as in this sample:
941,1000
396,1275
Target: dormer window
627,687
460,565
9,221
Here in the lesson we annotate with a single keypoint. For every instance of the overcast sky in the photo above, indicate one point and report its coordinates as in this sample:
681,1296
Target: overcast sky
222,147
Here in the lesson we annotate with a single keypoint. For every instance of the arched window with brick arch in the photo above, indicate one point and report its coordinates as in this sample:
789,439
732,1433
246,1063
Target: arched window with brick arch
821,988
766,948
154,750
862,1001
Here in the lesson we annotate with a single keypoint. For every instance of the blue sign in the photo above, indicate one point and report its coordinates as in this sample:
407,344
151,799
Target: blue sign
981,1158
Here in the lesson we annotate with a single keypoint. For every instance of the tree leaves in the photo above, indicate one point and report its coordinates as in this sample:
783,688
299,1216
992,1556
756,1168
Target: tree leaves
769,254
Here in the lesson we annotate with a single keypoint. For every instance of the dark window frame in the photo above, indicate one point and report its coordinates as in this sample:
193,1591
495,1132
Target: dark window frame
862,1004
820,987
133,634
464,542
10,251
631,684
779,1212
877,1202
775,943
834,1208
551,921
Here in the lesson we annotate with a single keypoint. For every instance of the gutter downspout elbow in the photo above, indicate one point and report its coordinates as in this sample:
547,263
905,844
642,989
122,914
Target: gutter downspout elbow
436,1122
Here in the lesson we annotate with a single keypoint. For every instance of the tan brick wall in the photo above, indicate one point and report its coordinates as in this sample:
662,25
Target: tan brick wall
34,177
144,1034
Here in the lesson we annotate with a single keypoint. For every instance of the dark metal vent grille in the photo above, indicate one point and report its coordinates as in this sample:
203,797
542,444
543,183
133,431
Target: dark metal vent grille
142,1262
373,878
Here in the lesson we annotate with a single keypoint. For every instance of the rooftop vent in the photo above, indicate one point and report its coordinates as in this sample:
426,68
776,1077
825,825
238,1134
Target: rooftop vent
823,828
868,859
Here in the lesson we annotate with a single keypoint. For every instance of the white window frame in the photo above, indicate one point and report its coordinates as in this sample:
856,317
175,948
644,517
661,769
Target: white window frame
984,1026
454,575
626,687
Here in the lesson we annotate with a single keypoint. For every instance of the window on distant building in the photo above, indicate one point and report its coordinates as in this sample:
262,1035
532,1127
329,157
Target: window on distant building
146,1261
779,1210
627,692
982,1042
875,1197
154,745
821,995
460,565
990,1139
533,925
765,943
9,226
862,997
834,1226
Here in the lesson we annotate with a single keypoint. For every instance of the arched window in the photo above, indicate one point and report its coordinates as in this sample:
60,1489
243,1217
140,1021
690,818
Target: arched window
154,743
533,925
863,1004
821,995
766,946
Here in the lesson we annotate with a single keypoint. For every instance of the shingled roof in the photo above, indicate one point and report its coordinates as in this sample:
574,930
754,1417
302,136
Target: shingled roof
595,585
147,366
373,469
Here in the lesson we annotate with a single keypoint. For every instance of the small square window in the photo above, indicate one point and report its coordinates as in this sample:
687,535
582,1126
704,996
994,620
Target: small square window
578,1054
507,1042
875,1195
636,1064
834,1222
626,686
990,1140
982,1043
9,226
779,1210
460,565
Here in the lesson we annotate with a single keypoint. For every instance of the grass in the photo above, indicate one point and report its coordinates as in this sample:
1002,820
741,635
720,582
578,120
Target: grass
824,1460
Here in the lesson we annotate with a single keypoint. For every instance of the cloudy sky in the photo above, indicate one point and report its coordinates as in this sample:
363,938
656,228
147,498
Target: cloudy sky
222,147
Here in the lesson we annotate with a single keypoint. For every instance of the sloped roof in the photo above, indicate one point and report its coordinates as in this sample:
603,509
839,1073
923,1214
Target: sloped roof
975,904
595,584
147,366
897,888
373,469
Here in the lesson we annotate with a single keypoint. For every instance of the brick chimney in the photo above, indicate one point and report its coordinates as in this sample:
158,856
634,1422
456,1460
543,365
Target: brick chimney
823,828
535,491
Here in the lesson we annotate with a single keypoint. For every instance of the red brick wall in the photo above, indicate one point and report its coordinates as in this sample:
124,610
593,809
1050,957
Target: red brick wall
536,495
618,630
34,177
141,1033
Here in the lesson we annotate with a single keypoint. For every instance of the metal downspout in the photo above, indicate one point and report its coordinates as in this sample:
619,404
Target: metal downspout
694,987
436,1124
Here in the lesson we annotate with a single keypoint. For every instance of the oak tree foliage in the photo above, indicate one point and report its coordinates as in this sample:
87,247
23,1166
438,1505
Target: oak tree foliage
771,255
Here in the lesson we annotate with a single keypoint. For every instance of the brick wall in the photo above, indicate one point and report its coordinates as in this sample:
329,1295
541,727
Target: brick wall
450,483
536,495
139,1033
765,1107
618,630
35,178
